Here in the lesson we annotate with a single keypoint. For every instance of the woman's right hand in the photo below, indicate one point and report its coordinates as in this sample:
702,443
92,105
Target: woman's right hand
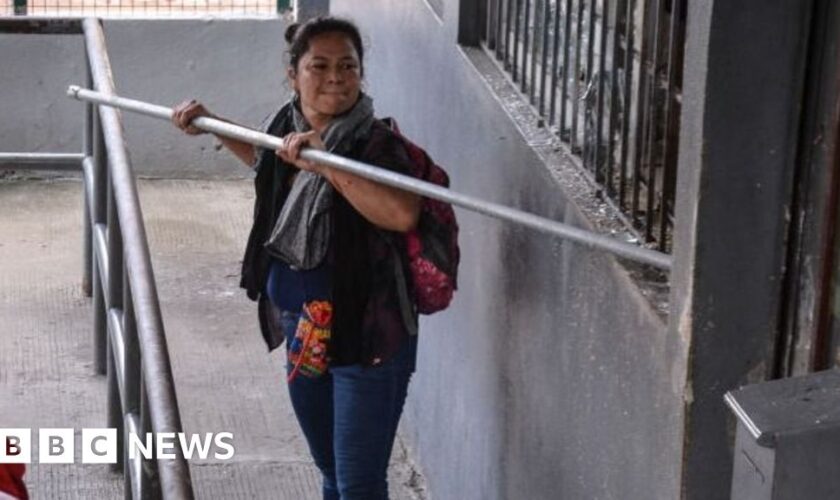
183,114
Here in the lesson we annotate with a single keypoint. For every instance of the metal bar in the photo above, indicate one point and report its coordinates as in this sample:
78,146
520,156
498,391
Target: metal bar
573,141
615,96
649,152
500,46
100,353
567,36
515,62
675,51
544,61
131,361
163,404
114,382
133,468
87,151
131,388
115,293
508,29
590,75
41,161
602,76
628,84
643,107
533,78
526,30
407,183
100,251
150,487
40,25
552,107
116,343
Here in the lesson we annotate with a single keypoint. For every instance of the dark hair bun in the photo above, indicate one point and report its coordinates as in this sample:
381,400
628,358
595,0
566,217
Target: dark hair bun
290,32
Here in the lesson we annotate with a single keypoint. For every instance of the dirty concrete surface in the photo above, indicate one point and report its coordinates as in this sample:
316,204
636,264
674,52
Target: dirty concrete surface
225,379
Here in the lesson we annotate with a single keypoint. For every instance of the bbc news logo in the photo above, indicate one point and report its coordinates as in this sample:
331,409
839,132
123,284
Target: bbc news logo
99,446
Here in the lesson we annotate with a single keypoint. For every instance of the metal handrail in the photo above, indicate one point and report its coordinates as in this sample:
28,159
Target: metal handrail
141,390
581,236
118,274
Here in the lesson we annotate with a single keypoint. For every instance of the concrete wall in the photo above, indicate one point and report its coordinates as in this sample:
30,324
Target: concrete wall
550,376
235,66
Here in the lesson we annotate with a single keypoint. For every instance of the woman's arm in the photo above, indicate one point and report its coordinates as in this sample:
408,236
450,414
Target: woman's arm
384,206
183,115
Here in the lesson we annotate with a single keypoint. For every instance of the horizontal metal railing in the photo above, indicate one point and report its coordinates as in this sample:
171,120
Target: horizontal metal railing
43,161
118,274
581,236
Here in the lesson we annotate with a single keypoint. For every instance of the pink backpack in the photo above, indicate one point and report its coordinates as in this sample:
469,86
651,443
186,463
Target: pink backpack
433,253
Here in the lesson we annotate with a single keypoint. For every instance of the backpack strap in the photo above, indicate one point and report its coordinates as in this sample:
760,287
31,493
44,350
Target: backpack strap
407,312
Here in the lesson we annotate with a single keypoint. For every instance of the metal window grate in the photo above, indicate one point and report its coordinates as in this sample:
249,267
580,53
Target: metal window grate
607,77
141,8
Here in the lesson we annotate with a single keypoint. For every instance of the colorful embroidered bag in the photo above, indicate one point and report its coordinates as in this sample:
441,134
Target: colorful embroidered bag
308,350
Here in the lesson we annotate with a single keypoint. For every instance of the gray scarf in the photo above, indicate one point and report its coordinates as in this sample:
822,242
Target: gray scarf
300,236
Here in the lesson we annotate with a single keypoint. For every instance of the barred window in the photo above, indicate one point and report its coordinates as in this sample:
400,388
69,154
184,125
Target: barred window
142,8
606,76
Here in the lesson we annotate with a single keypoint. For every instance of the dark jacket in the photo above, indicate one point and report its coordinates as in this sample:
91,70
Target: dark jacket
383,324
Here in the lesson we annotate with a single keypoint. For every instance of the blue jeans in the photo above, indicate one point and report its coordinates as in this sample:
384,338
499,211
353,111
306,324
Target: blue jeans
349,418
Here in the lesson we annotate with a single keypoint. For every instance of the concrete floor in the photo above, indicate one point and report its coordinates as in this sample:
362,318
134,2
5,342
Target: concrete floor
225,379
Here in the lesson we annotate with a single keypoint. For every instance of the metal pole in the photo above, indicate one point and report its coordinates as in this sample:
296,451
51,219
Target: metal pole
115,295
131,384
87,233
100,179
581,236
42,161
175,481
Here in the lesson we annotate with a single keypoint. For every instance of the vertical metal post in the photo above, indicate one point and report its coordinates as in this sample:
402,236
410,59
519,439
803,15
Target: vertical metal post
526,31
115,298
149,479
514,73
131,384
500,43
100,179
602,58
555,49
508,30
87,234
132,370
114,411
573,139
629,38
616,102
643,108
589,144
567,37
672,107
544,60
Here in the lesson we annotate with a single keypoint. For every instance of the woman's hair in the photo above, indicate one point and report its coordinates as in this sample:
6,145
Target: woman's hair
298,37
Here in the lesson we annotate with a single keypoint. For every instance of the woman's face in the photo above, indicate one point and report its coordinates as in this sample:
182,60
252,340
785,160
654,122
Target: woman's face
328,77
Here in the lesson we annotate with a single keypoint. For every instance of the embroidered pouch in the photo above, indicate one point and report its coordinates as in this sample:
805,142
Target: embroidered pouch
308,350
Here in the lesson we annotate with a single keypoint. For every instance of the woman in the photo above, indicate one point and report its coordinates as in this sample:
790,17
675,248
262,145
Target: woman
333,298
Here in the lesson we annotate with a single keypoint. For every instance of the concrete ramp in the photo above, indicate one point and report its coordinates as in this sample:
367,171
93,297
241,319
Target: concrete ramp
224,377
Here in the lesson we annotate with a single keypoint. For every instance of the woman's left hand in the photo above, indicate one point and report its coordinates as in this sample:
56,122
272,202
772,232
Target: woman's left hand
292,144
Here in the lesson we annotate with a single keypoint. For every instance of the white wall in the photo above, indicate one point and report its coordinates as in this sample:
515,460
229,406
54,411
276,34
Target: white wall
235,66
